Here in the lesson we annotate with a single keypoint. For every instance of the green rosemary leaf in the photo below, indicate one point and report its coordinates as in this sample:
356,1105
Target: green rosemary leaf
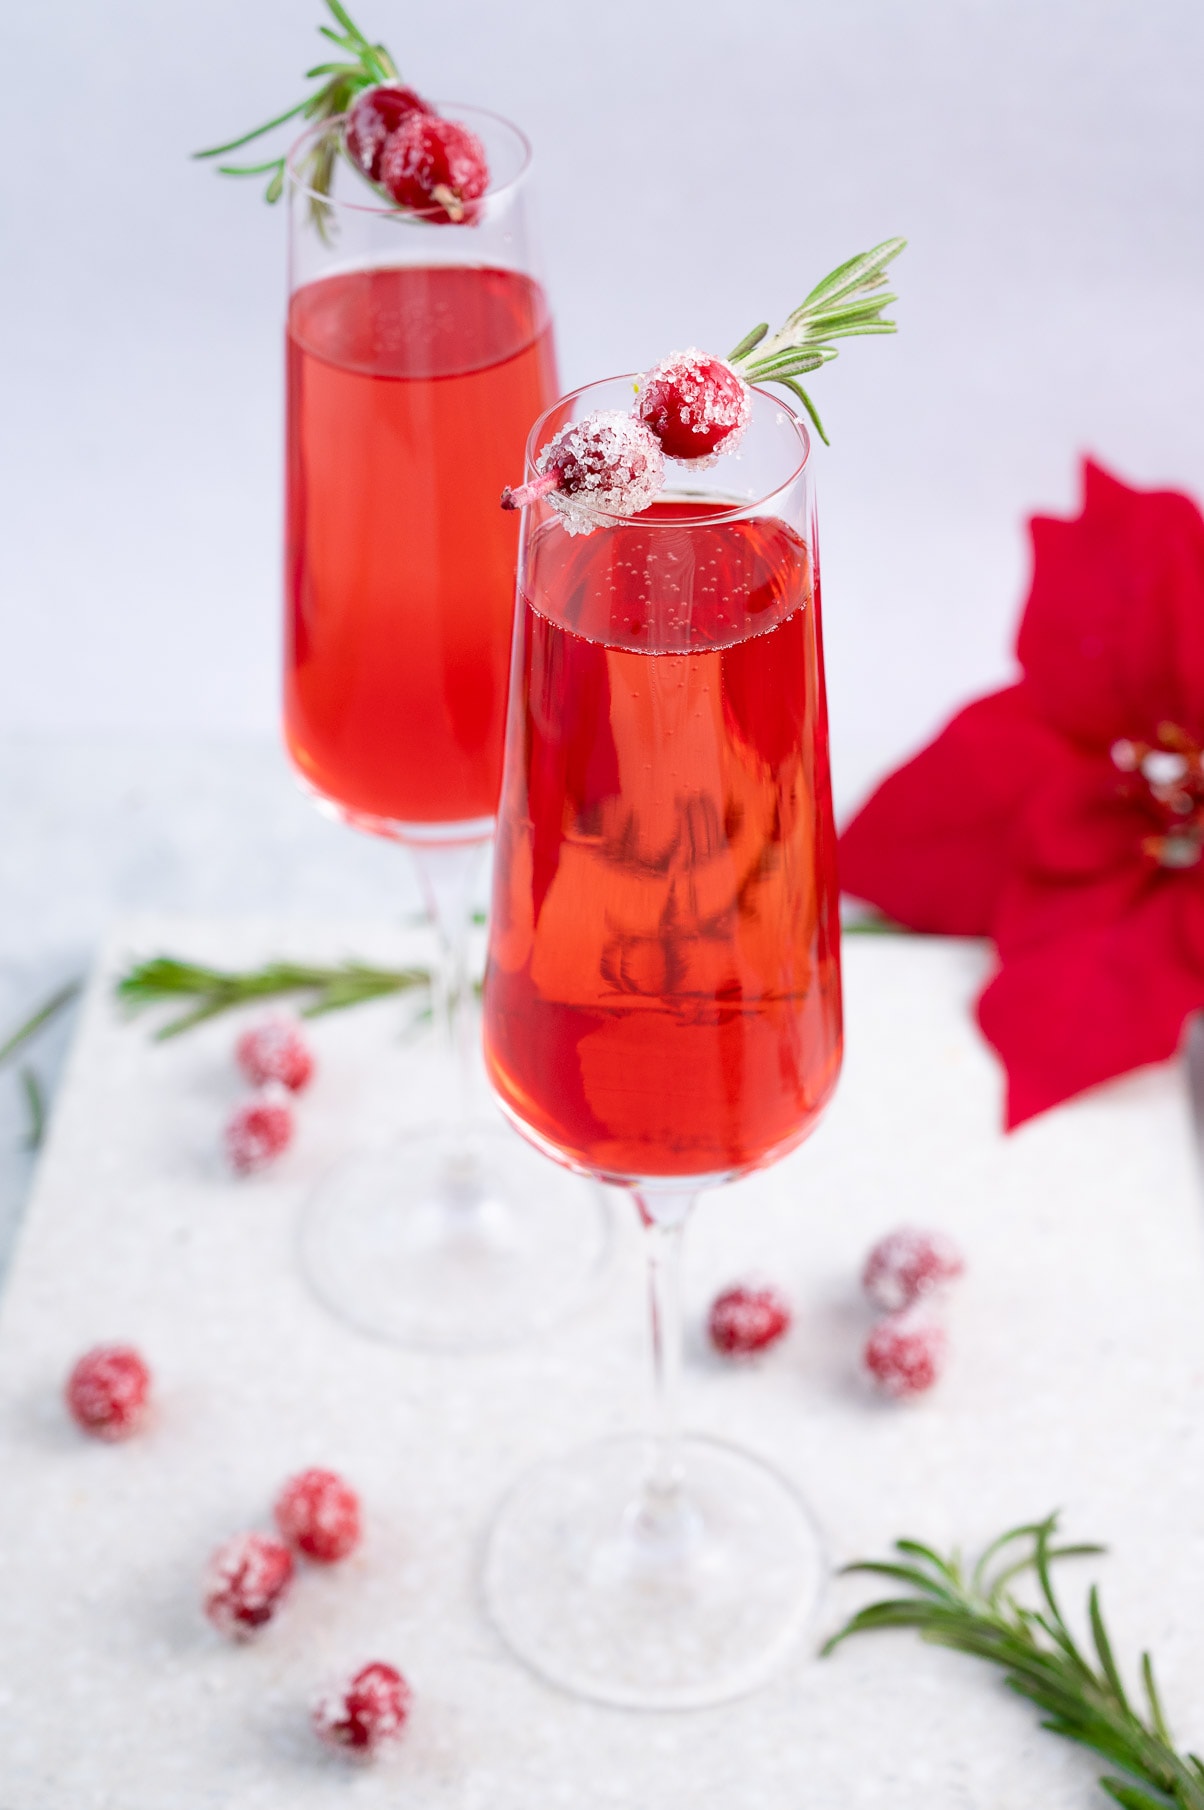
35,1106
906,1574
750,340
250,169
49,1009
797,389
789,364
236,144
1135,1797
1103,1648
215,990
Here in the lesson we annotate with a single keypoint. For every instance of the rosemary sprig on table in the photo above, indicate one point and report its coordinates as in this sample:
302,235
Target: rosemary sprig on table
1081,1694
847,303
363,65
31,1087
163,979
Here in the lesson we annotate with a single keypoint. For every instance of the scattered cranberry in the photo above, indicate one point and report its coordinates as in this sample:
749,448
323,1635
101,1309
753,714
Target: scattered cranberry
905,1353
376,115
366,1712
908,1264
107,1391
608,463
436,165
320,1514
746,1319
258,1132
275,1050
244,1583
695,405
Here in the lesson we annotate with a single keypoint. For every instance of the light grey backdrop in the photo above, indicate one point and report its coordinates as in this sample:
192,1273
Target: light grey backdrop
700,164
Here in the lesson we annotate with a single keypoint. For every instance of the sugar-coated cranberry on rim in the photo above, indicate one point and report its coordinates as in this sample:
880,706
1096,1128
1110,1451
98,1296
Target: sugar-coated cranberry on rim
377,114
693,407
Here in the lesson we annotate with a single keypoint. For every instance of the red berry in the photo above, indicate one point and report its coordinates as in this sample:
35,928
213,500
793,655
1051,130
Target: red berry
607,463
107,1391
366,1712
244,1583
905,1353
376,115
436,165
275,1051
695,405
258,1132
907,1264
748,1319
320,1514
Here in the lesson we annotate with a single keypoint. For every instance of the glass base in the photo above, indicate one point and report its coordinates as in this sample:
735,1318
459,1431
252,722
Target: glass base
437,1245
669,1603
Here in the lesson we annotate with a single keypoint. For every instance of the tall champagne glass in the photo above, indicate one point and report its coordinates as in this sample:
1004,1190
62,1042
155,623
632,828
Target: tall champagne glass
418,351
662,1010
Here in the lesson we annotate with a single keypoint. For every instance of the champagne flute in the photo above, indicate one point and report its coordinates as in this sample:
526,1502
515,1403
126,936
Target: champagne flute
662,1011
418,350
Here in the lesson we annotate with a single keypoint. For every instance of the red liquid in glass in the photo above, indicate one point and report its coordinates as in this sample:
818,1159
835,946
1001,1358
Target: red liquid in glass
663,992
410,393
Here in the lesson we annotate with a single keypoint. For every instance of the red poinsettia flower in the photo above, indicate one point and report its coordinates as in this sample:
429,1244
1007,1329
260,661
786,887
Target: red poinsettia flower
1064,816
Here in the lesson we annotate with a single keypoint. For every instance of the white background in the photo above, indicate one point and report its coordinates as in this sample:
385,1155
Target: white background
701,164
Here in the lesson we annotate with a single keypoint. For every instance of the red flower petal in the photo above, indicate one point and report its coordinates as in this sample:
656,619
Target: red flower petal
1069,1013
1112,638
933,847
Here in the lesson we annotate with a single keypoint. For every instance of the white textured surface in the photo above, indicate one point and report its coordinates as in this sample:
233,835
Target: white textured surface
1078,1381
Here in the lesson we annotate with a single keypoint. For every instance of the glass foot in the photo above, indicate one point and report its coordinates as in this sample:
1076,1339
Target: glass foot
431,1245
653,1603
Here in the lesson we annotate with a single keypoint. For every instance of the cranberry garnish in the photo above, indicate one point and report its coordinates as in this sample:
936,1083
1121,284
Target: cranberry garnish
748,1319
366,1712
107,1391
258,1133
908,1264
695,405
906,1353
435,165
275,1051
319,1514
374,118
245,1581
607,463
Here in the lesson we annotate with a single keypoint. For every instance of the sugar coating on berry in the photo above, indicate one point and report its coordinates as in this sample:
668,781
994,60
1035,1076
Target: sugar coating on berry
376,115
244,1583
607,463
435,165
108,1390
747,1319
696,406
908,1264
258,1132
367,1712
275,1050
906,1352
319,1514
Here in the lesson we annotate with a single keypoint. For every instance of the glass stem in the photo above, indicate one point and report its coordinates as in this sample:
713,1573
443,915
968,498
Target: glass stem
446,874
664,1216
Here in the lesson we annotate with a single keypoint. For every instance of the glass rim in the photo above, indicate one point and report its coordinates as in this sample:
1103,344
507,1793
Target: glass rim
707,514
432,215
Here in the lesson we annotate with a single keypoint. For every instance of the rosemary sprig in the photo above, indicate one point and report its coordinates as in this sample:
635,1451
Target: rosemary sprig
217,990
31,1087
363,65
1080,1693
847,303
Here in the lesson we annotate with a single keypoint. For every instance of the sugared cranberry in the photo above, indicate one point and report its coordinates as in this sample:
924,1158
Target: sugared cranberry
320,1514
374,118
906,1352
367,1712
695,405
908,1264
607,463
107,1391
275,1050
436,165
246,1579
258,1132
748,1319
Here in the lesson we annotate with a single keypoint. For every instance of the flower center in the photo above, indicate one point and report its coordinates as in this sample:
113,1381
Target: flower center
1166,777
